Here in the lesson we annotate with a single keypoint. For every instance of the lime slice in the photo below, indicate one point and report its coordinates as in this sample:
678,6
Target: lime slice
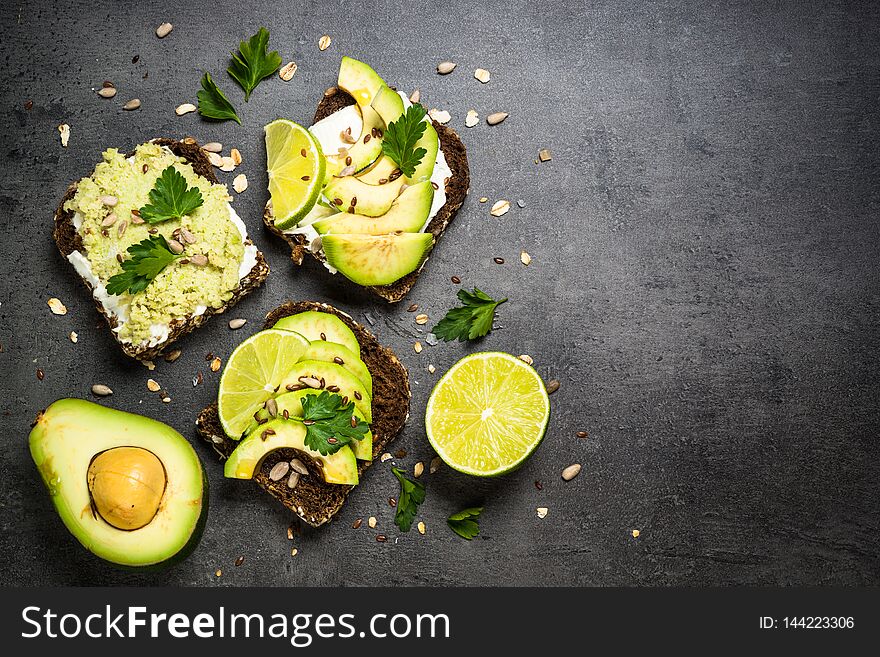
253,372
487,414
296,171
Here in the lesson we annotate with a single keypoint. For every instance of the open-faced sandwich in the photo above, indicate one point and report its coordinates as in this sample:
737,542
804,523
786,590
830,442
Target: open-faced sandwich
155,238
305,405
370,187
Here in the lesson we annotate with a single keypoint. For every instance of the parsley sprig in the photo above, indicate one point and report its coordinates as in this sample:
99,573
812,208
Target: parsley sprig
412,494
401,136
213,104
466,523
148,259
171,198
330,423
472,320
252,63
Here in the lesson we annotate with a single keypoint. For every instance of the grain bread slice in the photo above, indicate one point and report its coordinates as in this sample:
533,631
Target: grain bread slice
68,240
314,500
457,189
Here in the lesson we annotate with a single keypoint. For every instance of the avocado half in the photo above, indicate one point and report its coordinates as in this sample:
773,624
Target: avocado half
130,489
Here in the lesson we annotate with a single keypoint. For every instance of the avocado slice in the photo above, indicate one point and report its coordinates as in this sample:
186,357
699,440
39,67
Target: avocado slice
364,151
292,403
369,200
130,489
333,375
245,460
333,352
380,172
376,259
388,104
359,80
407,214
430,141
314,325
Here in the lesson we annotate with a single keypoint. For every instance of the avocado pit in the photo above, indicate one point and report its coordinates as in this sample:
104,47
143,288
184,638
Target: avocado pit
126,485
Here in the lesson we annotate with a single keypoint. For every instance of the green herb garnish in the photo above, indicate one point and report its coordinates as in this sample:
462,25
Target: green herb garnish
252,63
473,320
465,523
171,198
412,493
401,136
213,104
148,259
330,423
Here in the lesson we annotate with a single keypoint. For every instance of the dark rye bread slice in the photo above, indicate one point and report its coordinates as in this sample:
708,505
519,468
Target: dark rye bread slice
68,241
456,190
314,500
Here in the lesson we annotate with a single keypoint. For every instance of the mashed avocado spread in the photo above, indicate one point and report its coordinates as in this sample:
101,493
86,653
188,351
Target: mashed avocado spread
181,289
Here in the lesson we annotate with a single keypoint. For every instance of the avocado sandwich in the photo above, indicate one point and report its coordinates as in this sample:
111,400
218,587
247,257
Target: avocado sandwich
154,237
370,188
305,406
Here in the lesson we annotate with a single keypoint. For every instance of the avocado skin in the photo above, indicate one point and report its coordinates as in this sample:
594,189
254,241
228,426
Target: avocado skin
41,451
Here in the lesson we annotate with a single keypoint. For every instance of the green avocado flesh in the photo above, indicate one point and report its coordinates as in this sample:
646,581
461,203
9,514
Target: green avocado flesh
407,214
430,141
292,403
370,200
388,104
332,352
380,172
364,151
376,259
314,325
69,441
337,468
359,80
334,375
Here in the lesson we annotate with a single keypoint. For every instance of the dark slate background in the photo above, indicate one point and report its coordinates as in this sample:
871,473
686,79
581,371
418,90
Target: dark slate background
704,283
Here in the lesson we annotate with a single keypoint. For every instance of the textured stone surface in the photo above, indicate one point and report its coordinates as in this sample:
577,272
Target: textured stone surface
704,281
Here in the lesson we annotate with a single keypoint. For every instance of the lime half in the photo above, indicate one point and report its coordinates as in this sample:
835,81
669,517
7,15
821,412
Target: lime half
487,414
296,169
253,372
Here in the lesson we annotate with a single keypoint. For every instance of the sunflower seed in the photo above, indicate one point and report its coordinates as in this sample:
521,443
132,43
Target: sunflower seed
100,390
496,118
56,306
324,43
175,246
526,359
184,108
385,457
299,466
215,365
287,71
172,355
199,260
108,200
187,236
421,319
471,118
418,469
636,533
240,183
371,521
445,68
64,130
432,369
235,154
153,385
73,337
237,324
133,104
422,528
521,203
483,199
435,464
272,407
552,386
544,155
279,470
120,229
500,208
417,347
107,92
440,116
571,471
482,75
213,147
164,30
109,220
347,171
189,140
330,91
345,135
293,480
412,308
542,511
310,381
525,258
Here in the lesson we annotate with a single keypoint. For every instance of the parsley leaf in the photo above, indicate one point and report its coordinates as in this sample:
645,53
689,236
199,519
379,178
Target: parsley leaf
213,104
401,136
170,198
473,320
465,523
252,63
412,493
148,259
329,422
